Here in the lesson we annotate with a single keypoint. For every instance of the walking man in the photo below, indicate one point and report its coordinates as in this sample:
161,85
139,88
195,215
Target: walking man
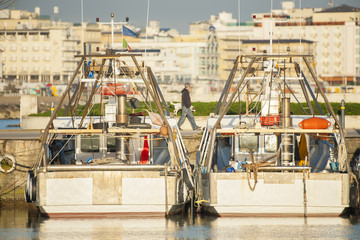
186,108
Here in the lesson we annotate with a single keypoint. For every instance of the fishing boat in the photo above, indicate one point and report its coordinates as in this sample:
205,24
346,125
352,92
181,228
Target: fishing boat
130,161
266,161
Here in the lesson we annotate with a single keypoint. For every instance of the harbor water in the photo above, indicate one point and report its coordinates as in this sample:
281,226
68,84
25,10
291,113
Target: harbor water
26,223
9,124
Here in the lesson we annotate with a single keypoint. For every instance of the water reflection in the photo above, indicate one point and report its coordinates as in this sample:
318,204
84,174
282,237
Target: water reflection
25,223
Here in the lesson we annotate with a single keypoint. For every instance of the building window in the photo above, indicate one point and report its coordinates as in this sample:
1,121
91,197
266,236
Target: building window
23,78
25,47
45,78
34,36
11,77
34,78
45,35
11,36
56,77
47,47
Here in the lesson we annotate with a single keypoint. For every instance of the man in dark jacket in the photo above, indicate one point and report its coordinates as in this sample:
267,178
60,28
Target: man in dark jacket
186,108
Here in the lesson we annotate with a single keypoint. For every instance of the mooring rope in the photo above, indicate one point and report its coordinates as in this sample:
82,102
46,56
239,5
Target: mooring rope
254,167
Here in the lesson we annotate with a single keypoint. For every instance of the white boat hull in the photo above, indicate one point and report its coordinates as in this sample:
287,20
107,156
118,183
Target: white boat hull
83,193
276,194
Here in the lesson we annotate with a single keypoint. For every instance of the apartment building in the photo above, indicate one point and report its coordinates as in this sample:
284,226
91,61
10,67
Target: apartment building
332,35
173,58
37,48
176,60
335,32
34,48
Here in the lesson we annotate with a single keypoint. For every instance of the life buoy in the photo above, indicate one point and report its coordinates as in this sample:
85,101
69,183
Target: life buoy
8,157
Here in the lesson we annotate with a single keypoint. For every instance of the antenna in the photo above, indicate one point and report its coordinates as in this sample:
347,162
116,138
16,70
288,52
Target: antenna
239,28
146,31
331,3
112,24
56,13
271,26
271,21
82,23
112,30
300,32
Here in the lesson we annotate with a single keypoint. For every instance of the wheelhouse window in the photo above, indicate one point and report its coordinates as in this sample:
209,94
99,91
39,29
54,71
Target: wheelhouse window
270,143
110,144
90,143
248,142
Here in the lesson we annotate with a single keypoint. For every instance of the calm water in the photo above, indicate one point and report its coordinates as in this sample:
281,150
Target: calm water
22,223
4,123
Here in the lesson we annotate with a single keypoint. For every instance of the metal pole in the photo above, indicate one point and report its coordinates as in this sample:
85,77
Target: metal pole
157,89
223,112
342,113
271,27
226,89
92,92
342,146
304,192
53,116
112,30
174,159
229,103
166,197
324,97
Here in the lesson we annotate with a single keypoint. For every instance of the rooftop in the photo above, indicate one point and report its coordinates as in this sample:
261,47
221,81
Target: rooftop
341,8
277,41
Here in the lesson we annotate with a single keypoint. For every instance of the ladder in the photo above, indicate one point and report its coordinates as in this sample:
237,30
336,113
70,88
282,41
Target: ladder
202,152
287,146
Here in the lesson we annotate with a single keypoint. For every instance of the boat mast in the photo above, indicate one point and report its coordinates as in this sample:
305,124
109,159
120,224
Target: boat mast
271,26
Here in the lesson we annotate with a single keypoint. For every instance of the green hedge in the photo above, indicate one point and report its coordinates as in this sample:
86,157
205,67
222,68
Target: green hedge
205,108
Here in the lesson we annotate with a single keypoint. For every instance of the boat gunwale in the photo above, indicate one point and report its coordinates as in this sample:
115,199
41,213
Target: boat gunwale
107,167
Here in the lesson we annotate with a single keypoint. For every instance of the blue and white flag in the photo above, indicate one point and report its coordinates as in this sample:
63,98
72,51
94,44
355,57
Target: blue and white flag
128,32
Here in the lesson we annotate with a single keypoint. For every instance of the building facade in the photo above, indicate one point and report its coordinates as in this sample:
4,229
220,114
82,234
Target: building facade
334,30
36,49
